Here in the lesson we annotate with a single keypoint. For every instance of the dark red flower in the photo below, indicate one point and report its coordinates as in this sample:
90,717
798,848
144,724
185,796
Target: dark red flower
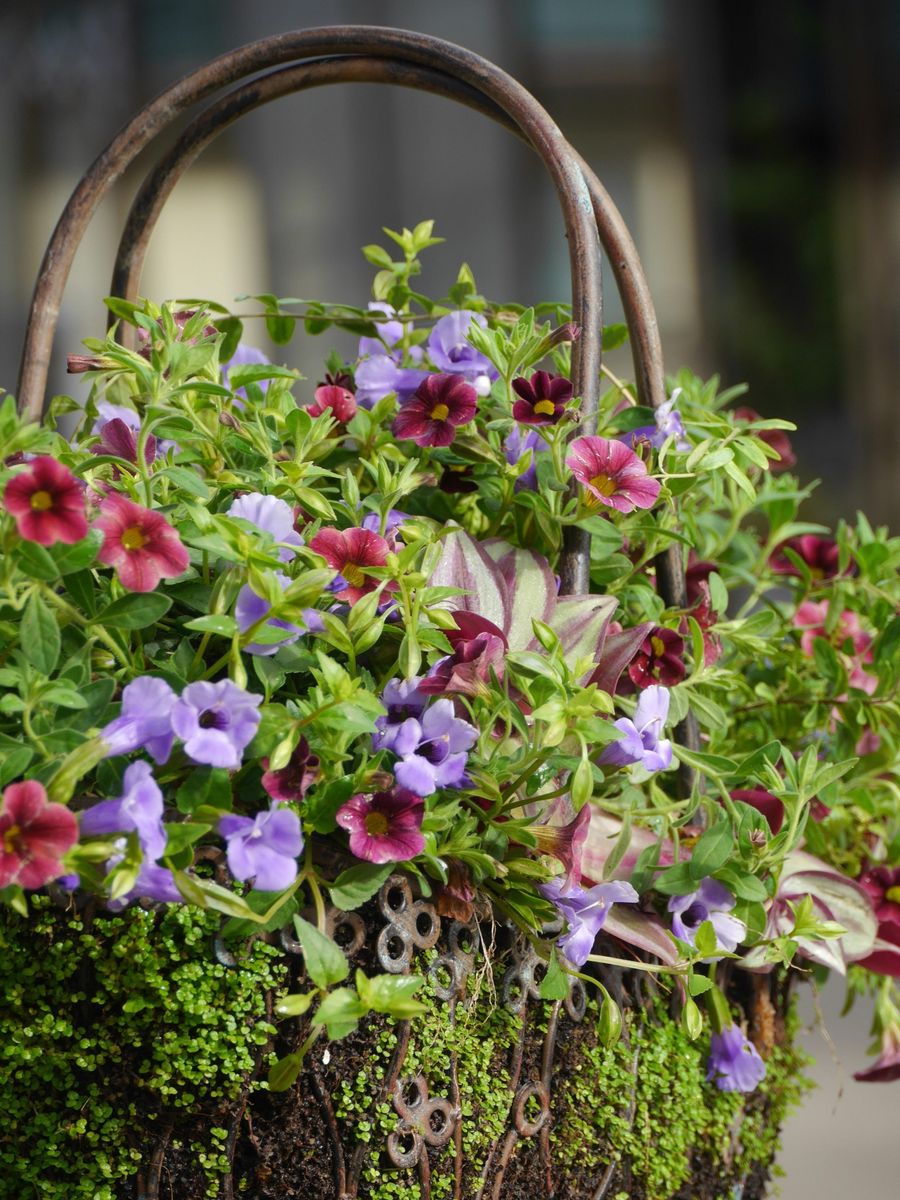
340,401
34,835
698,571
350,552
121,440
764,802
776,438
341,379
542,398
439,405
457,479
820,555
139,543
659,660
47,502
703,613
479,646
292,782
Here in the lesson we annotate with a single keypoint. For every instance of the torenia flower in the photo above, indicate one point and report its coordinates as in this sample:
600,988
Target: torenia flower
379,375
641,741
585,913
385,827
340,402
216,721
711,902
139,808
47,502
440,404
668,422
145,720
516,446
390,330
451,351
612,474
404,702
734,1062
542,398
433,750
350,552
139,543
270,515
250,608
34,836
264,848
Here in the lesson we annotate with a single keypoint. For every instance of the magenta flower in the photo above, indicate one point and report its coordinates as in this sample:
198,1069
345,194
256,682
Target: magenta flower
641,741
712,902
350,552
140,543
882,884
216,721
384,827
734,1062
270,515
612,474
659,660
820,554
764,802
542,398
848,636
138,809
47,502
34,836
438,407
291,783
144,722
264,848
585,912
340,402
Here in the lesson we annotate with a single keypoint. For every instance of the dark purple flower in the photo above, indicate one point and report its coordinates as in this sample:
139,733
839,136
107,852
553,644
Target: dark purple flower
216,721
291,783
479,648
641,740
585,912
378,376
139,808
711,902
450,350
517,444
122,440
764,802
385,827
144,722
433,750
264,848
882,885
250,608
734,1063
272,516
439,406
542,398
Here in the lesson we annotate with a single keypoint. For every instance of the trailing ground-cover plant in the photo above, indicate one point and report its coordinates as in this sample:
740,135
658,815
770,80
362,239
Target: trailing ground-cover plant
245,617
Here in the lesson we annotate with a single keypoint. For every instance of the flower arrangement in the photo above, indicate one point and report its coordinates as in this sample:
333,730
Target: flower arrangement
311,634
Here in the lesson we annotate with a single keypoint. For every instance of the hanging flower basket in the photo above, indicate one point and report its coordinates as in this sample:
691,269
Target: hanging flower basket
428,781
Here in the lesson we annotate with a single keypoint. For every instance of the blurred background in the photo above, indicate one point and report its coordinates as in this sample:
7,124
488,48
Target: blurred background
753,149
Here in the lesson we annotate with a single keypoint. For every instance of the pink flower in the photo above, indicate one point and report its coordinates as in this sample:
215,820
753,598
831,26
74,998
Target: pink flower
385,827
47,502
810,617
139,543
34,835
438,406
612,474
350,552
338,400
542,398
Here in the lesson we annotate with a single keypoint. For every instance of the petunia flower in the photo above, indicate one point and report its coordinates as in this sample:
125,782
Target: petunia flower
777,439
734,1063
452,353
438,407
47,502
384,827
264,848
542,398
270,515
138,809
350,552
433,750
291,783
34,836
216,721
250,608
144,722
140,543
659,660
641,741
585,912
340,402
612,474
712,902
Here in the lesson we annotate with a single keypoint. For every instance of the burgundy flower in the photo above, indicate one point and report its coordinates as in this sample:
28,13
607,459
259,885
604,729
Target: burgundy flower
34,835
659,660
292,782
479,647
703,614
385,827
139,543
440,404
820,555
122,440
542,398
776,438
566,842
350,552
612,474
47,503
764,802
698,572
338,400
341,379
882,885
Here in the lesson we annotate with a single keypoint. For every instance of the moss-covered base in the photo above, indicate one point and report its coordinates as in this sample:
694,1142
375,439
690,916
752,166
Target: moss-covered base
132,1061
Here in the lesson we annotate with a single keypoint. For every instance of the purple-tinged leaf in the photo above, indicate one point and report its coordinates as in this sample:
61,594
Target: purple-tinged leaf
603,834
530,589
464,563
581,624
618,651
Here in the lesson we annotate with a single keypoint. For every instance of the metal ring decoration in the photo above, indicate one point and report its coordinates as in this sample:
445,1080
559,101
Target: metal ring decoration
411,925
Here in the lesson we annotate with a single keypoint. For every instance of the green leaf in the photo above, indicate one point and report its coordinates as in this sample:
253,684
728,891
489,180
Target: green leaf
39,635
555,984
214,623
339,1012
14,764
391,994
294,1005
138,610
36,562
73,558
325,961
182,834
204,785
705,939
321,805
712,850
698,984
80,586
614,336
358,884
285,1072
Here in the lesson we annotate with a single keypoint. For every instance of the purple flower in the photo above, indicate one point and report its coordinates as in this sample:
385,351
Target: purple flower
403,701
246,356
250,608
385,827
585,912
145,720
139,808
270,515
734,1064
264,848
641,734
518,443
668,423
389,332
216,721
711,902
451,351
153,883
393,521
107,412
379,375
433,750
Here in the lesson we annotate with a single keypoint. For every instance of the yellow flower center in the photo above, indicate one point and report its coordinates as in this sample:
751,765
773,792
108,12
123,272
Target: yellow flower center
133,538
376,823
545,408
440,412
604,485
893,894
354,575
658,646
41,501
11,839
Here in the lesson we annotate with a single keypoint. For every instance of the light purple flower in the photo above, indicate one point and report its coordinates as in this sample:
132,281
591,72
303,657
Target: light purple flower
270,515
264,848
433,749
640,741
379,375
404,702
389,332
144,722
216,721
250,608
585,912
734,1064
139,808
668,422
711,902
516,445
393,521
153,883
451,351
246,356
107,412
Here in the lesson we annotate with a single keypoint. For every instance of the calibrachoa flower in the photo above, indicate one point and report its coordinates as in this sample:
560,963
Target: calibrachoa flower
450,350
659,660
765,803
350,552
776,438
585,912
47,502
883,887
34,836
734,1063
811,617
641,741
216,721
433,750
250,608
337,400
271,515
121,439
820,554
144,722
140,543
139,808
612,474
542,398
479,648
264,848
711,902
291,783
385,827
439,406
